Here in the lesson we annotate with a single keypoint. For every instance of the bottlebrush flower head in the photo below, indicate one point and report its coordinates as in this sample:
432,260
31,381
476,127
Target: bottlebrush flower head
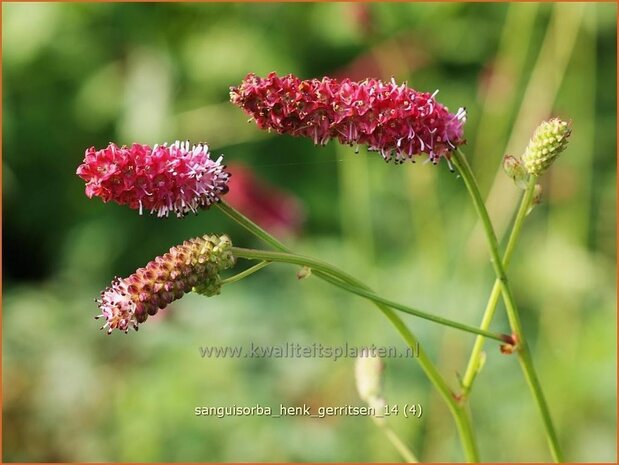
192,266
396,121
548,141
178,178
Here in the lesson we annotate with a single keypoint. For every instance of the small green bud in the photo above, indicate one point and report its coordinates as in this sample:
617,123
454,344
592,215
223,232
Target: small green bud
548,141
514,169
511,344
304,272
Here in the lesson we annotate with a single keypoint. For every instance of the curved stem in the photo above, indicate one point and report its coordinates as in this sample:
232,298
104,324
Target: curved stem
524,356
251,226
457,410
473,365
246,273
350,284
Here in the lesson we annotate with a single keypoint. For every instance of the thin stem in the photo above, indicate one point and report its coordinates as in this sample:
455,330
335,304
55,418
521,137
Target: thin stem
343,280
473,366
251,226
457,410
460,416
244,274
402,448
524,357
319,266
403,308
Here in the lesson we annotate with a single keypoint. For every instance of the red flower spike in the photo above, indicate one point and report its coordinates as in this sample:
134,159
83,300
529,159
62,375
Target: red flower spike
396,121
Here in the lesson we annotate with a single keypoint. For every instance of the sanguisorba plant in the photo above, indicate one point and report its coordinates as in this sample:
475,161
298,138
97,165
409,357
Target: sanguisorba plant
398,122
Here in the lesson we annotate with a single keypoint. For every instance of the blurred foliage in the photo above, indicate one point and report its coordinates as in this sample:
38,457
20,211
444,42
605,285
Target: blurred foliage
77,75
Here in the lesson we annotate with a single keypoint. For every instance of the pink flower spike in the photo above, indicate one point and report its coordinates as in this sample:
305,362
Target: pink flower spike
179,178
396,121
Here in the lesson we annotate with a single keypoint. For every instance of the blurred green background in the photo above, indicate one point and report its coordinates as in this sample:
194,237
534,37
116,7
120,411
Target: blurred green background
77,75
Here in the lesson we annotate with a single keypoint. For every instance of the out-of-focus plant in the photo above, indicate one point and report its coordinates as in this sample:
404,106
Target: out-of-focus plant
270,207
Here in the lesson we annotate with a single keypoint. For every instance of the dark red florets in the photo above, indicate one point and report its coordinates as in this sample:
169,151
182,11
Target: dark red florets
396,121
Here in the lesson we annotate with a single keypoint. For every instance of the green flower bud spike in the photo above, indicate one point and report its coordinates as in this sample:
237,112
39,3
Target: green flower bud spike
548,141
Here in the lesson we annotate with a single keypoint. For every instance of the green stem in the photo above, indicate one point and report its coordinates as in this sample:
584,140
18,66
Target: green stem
244,274
524,356
457,410
399,445
460,416
474,361
251,226
350,284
